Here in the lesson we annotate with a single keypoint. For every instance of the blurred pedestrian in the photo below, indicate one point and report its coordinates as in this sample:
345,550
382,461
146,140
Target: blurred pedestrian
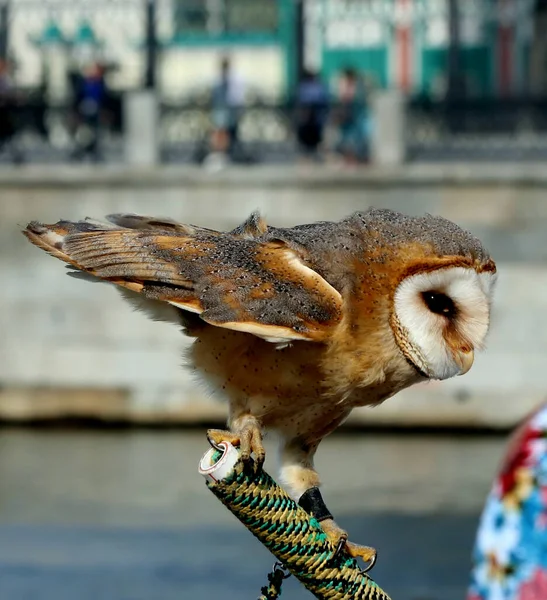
312,100
352,117
227,99
8,113
90,98
510,553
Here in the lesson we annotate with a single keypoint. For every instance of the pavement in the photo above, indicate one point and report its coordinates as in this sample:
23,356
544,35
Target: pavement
123,515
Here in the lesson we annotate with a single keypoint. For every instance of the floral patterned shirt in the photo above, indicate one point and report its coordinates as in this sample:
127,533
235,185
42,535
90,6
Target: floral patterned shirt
510,553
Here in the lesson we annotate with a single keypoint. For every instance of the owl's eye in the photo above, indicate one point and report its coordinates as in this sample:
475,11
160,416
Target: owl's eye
440,304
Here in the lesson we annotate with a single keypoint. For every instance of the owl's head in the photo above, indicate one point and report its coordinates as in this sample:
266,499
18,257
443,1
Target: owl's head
441,282
441,317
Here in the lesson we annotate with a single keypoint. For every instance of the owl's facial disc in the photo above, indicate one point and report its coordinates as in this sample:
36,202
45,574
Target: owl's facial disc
441,317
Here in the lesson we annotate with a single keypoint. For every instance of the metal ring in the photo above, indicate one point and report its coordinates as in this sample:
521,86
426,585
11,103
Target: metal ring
281,568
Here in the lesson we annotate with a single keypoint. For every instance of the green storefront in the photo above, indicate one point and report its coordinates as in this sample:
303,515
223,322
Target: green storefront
404,43
396,43
248,23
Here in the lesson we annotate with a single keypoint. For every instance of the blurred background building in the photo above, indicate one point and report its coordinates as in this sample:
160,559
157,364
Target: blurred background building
471,73
202,111
491,47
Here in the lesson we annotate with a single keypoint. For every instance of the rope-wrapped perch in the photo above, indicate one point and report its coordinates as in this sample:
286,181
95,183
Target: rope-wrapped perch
289,532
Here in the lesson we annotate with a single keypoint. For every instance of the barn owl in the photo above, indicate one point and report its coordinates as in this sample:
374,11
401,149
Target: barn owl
298,326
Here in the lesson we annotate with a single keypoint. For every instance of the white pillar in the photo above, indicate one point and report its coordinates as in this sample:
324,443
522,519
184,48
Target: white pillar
58,89
388,136
141,124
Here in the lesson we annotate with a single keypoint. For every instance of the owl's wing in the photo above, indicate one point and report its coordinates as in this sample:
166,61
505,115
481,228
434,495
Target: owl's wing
231,280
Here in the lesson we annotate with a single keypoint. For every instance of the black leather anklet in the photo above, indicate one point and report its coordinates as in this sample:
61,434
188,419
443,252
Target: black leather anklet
312,502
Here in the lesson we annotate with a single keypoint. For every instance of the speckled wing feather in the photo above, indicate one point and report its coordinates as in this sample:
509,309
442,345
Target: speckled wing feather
233,280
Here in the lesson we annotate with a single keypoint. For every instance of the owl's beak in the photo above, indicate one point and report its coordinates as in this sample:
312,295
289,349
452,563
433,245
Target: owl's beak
464,360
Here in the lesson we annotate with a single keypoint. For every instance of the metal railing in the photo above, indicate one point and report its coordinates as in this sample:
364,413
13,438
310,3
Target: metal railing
52,133
477,129
480,129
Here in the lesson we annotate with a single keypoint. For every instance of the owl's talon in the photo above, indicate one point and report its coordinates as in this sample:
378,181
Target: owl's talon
213,443
371,563
249,441
341,543
215,436
339,538
366,553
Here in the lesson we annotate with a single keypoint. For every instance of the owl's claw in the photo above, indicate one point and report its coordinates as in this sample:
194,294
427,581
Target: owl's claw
341,543
368,554
340,539
213,442
249,440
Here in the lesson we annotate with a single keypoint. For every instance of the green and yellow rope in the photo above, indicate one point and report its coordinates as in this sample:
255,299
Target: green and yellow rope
293,536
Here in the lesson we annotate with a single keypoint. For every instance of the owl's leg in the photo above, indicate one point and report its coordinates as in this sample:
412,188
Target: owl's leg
302,481
245,432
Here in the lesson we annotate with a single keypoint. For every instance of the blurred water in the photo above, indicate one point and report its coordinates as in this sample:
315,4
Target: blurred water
125,516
